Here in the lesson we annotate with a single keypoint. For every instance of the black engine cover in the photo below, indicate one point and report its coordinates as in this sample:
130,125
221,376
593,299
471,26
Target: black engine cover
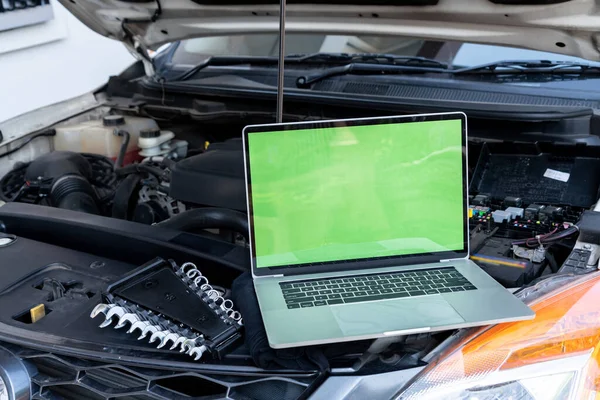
213,178
57,164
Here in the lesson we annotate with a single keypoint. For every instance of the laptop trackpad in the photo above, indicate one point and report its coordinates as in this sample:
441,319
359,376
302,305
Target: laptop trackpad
392,315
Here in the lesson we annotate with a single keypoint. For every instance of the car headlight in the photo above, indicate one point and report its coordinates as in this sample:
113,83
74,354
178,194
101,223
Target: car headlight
554,356
15,381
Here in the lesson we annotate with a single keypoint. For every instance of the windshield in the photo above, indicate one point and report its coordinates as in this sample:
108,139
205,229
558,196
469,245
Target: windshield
192,51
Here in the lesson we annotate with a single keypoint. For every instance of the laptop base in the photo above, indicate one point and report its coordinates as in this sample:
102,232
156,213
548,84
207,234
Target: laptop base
488,303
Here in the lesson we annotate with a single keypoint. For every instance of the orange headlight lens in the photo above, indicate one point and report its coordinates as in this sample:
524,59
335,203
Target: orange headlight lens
554,356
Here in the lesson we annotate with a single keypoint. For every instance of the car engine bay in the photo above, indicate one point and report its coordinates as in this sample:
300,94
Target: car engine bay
119,191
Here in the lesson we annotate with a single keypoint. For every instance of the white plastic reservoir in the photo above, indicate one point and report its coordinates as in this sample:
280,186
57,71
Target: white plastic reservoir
98,136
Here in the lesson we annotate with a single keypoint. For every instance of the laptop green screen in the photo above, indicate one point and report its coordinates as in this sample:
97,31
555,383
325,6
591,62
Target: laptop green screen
354,192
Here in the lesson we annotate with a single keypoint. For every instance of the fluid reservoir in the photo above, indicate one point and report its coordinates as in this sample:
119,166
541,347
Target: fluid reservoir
98,137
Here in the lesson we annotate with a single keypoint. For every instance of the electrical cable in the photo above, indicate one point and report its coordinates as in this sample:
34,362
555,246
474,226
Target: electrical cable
539,238
49,132
547,238
58,290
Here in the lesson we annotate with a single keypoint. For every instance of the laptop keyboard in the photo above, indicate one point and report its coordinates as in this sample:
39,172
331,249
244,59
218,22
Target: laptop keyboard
345,290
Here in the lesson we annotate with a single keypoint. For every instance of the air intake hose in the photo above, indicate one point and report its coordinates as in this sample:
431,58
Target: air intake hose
66,177
206,218
74,192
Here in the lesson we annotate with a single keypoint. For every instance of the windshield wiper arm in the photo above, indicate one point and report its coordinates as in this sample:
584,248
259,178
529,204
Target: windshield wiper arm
365,69
223,61
373,58
341,59
215,61
530,67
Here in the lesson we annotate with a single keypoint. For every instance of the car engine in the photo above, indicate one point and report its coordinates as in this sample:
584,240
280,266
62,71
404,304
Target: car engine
83,222
153,175
160,184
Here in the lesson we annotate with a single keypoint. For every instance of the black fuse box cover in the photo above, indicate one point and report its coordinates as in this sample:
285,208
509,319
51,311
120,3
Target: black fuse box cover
543,173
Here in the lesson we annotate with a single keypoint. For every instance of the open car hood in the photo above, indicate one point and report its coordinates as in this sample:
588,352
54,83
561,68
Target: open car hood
570,27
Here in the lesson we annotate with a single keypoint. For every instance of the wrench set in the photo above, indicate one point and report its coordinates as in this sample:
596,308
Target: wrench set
172,306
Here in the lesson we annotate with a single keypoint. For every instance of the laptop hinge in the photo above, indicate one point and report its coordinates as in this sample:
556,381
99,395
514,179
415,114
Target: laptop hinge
452,259
269,276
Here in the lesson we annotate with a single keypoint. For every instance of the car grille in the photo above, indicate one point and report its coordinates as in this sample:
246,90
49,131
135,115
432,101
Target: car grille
56,376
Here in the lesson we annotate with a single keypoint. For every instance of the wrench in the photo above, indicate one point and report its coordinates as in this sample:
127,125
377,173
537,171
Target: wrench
101,308
179,342
197,352
159,335
149,328
138,325
170,336
128,317
118,311
188,344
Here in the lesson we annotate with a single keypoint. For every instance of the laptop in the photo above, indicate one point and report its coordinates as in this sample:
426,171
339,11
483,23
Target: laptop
359,230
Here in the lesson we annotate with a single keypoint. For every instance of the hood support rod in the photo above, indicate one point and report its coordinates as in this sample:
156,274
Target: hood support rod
280,62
